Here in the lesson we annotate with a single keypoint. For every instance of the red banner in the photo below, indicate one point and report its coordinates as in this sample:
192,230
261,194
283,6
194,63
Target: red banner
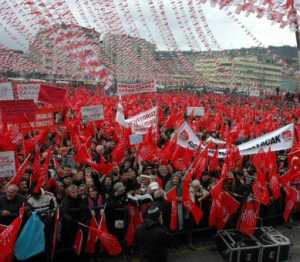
44,118
17,111
52,94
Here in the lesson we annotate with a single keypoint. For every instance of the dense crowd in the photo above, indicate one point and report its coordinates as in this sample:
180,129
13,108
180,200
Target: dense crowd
91,173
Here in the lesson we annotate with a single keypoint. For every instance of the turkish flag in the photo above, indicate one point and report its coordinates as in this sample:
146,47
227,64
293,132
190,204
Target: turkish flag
109,242
20,172
77,246
90,247
8,238
172,197
248,219
290,201
52,94
135,219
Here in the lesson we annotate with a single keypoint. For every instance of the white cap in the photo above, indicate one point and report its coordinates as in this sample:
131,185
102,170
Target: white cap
153,186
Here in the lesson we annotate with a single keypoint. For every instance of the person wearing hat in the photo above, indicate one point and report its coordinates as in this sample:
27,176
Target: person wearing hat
116,211
152,238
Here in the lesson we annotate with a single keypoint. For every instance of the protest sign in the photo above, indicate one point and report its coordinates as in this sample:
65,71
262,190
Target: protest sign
7,164
142,122
44,118
6,91
92,113
28,91
195,111
130,89
135,139
17,111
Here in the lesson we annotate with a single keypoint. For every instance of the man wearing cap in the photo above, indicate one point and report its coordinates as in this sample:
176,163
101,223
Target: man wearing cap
152,238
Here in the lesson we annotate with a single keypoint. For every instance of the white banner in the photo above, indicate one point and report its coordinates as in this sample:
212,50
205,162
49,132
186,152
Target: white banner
28,91
142,122
138,88
7,164
280,139
196,111
92,113
6,91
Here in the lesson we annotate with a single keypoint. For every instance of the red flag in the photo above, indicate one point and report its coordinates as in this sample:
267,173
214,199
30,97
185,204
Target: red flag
8,238
78,242
118,154
216,202
30,144
186,198
90,247
275,185
20,172
260,189
248,219
103,167
52,94
229,207
36,166
290,201
2,228
214,162
172,197
43,172
135,219
109,242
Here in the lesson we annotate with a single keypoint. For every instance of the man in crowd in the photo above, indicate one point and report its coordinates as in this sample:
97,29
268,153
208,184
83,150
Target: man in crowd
152,238
10,204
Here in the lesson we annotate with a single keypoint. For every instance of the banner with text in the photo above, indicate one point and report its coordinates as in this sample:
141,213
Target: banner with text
44,118
140,123
28,91
138,88
17,111
92,113
6,91
7,164
277,140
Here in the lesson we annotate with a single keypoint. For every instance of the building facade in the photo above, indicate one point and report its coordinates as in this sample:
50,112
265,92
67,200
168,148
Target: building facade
241,73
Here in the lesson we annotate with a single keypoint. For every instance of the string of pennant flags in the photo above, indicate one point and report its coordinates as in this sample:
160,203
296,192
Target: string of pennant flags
23,19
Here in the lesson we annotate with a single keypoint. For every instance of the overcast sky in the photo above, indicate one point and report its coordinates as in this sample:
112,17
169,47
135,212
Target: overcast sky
227,32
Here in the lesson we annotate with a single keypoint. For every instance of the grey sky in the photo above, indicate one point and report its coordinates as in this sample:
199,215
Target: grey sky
226,31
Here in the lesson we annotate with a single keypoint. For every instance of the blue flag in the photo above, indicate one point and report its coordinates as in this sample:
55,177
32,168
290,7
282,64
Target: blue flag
31,240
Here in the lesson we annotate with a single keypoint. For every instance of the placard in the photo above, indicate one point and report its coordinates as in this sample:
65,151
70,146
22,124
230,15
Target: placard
6,91
92,113
28,91
7,164
138,88
135,139
196,111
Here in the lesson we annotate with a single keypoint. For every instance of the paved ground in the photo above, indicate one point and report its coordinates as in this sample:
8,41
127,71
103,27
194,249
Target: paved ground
206,249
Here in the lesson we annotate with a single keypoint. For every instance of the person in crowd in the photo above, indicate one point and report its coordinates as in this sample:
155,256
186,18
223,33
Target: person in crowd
10,204
24,188
95,202
116,211
74,210
152,238
175,181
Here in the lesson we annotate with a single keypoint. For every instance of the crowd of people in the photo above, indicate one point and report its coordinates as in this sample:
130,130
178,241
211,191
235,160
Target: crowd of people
86,175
